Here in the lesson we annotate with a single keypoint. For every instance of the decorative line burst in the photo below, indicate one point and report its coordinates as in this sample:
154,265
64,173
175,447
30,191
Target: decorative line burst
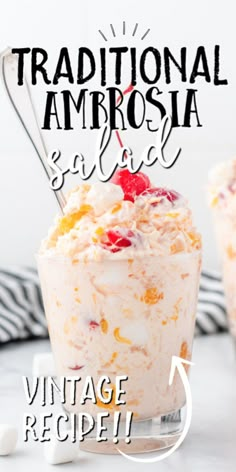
124,31
145,34
135,29
113,31
103,35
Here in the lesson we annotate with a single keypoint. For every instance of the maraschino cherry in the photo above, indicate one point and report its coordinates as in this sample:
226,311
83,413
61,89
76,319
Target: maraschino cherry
131,184
117,241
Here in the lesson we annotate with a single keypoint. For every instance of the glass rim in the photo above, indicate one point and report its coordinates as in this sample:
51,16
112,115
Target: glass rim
117,257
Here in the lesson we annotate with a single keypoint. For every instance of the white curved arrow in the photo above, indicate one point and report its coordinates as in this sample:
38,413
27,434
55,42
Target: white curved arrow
176,363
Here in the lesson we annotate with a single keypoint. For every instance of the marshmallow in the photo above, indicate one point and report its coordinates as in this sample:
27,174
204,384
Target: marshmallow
43,365
8,439
103,197
60,452
136,332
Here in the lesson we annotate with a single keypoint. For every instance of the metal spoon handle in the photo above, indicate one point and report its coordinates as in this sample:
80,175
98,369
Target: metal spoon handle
22,103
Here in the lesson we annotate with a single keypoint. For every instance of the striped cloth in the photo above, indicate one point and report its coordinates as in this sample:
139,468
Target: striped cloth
21,305
22,314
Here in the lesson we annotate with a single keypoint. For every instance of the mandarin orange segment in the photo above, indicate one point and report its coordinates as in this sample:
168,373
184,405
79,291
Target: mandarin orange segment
184,276
120,338
184,350
99,231
172,215
152,296
112,405
116,208
195,239
230,252
114,356
185,354
176,247
86,187
68,222
75,261
214,201
110,362
104,325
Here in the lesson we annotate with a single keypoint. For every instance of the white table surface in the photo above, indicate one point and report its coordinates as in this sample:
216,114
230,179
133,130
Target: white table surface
211,442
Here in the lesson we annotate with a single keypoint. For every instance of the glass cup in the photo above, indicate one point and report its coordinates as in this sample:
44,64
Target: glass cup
125,317
225,230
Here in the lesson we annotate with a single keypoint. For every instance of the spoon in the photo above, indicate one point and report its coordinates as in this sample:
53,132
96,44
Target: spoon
22,103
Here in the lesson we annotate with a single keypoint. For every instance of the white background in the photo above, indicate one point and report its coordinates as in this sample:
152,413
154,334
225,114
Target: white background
27,206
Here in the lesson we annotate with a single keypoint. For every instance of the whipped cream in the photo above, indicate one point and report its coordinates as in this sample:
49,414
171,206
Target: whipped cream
99,223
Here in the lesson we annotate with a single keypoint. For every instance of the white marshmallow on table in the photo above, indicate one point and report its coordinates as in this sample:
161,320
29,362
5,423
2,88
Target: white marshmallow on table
60,452
43,365
8,439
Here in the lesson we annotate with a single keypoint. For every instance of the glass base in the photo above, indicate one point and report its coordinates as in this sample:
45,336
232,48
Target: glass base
146,436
